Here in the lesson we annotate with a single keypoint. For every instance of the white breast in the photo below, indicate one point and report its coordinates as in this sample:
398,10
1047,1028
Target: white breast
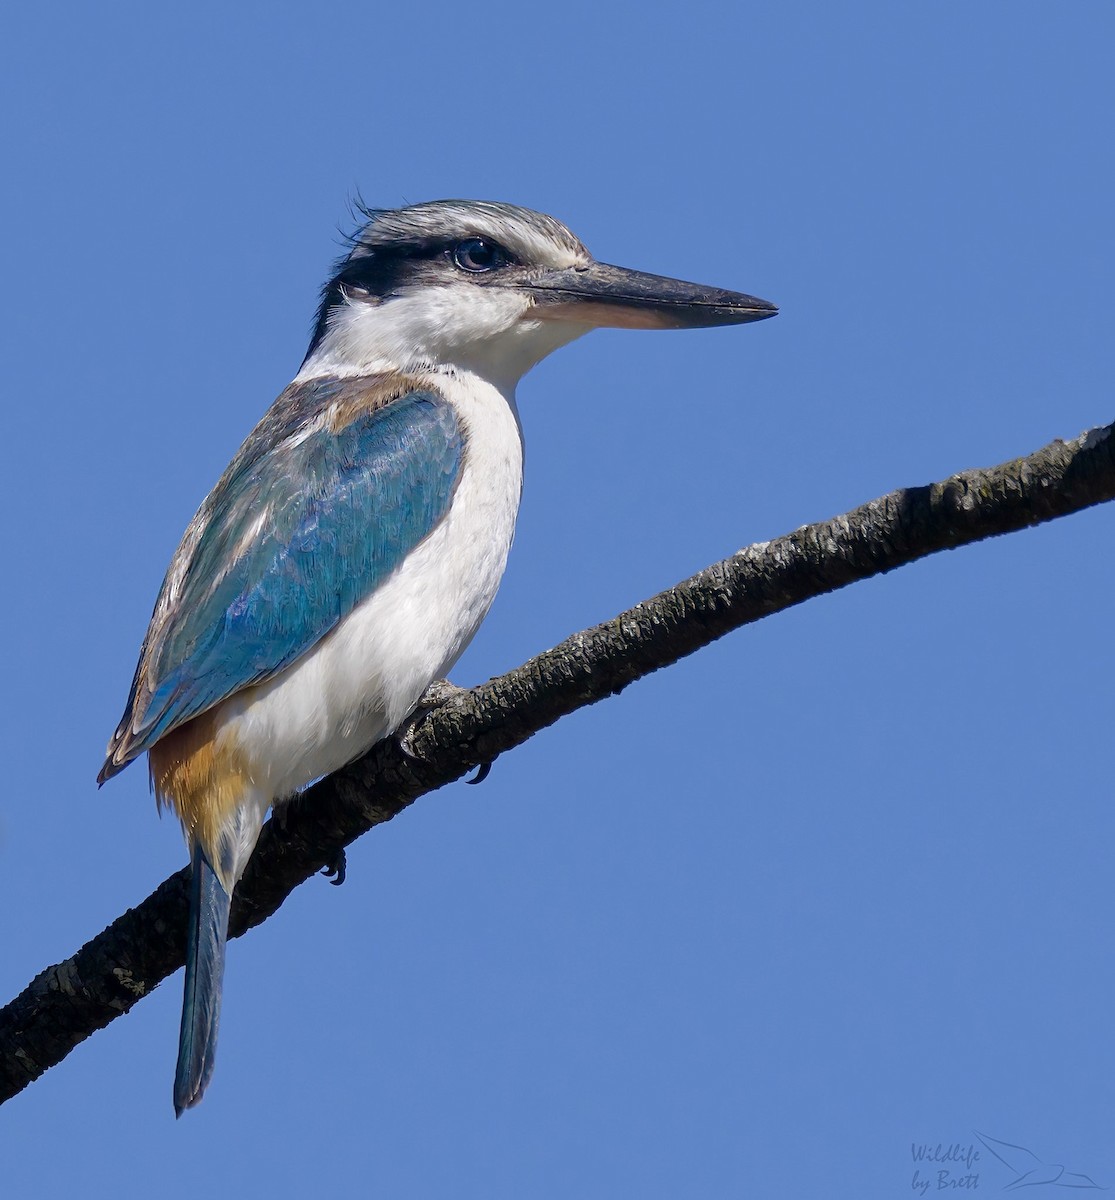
360,681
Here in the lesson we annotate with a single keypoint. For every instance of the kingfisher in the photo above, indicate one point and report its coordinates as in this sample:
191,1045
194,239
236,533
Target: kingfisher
351,549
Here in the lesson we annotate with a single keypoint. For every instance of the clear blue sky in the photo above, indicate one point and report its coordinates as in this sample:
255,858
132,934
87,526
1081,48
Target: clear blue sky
838,884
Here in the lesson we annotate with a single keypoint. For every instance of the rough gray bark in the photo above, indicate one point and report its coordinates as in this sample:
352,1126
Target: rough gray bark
66,1003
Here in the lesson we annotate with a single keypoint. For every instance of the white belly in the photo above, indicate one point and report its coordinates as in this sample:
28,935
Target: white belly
360,681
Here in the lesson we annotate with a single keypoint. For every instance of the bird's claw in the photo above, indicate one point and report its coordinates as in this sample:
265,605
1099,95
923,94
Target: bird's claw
336,868
482,772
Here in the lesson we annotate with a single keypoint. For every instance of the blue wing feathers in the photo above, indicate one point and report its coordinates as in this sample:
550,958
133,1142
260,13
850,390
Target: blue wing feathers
301,528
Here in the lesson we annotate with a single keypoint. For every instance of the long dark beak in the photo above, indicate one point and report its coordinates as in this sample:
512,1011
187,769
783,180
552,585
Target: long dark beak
600,294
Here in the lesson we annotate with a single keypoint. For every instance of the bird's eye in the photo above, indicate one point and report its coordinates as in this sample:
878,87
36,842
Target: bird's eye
478,254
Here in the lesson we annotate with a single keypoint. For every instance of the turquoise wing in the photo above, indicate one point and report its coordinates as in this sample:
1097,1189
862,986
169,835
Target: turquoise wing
308,520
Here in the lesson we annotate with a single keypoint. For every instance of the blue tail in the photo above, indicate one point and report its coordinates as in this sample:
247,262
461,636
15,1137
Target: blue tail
205,968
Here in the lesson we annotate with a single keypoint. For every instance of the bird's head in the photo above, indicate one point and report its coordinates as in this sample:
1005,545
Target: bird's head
489,288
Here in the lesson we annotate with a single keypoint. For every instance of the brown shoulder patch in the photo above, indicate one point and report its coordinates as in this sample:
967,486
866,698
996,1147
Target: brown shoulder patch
365,395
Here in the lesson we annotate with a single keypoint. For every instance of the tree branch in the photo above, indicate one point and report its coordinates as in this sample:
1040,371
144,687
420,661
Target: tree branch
66,1003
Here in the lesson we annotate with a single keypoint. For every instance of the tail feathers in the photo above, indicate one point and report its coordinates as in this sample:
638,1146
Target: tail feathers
205,968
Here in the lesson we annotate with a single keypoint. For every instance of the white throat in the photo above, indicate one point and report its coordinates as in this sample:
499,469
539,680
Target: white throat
486,331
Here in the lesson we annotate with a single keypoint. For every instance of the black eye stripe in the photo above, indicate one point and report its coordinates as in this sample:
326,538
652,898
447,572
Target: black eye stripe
378,271
385,270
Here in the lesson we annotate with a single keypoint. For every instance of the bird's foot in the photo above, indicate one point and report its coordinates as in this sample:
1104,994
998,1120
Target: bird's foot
336,868
434,696
440,691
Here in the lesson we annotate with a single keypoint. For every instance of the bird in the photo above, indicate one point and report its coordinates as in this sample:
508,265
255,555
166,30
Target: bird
348,554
